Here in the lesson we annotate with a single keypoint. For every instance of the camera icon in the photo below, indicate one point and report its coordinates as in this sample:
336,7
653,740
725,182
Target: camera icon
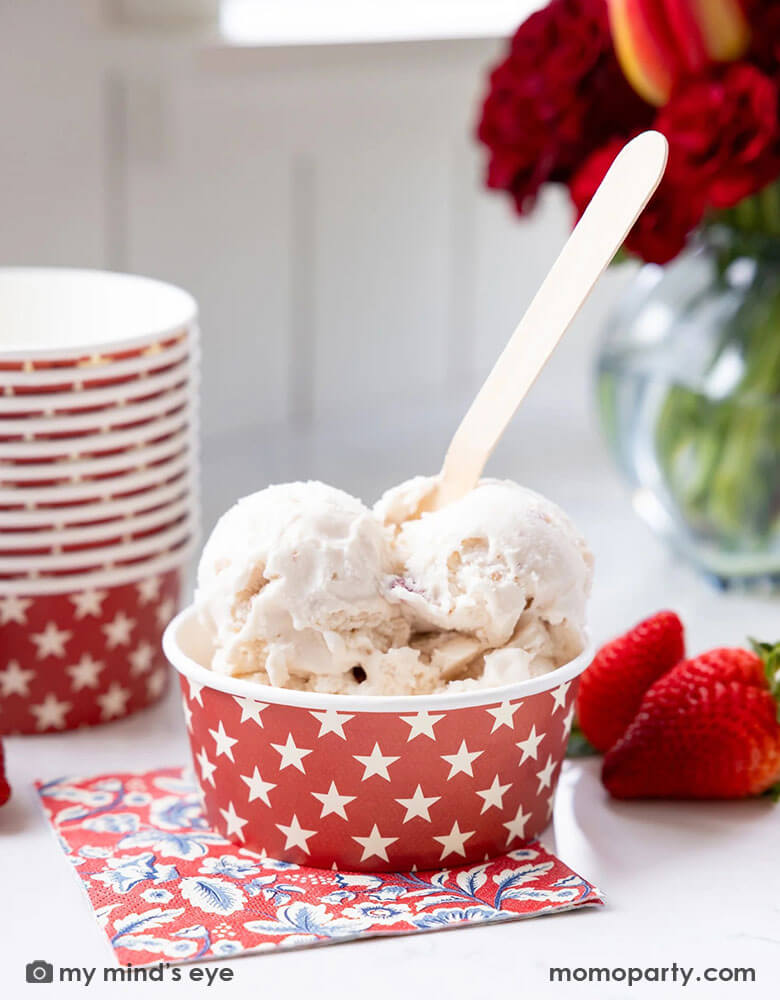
39,972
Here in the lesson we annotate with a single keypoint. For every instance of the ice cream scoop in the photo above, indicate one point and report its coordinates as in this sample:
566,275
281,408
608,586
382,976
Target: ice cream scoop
290,583
475,565
303,586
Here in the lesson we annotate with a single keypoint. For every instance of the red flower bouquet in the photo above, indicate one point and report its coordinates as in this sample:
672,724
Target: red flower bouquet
697,421
581,77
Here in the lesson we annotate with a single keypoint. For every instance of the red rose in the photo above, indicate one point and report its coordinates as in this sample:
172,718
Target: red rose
723,133
662,229
557,95
516,127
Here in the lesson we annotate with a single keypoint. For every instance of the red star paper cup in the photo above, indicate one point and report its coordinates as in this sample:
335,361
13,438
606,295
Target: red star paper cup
95,422
135,390
88,650
97,555
373,783
98,490
83,445
75,470
95,372
56,493
113,531
81,513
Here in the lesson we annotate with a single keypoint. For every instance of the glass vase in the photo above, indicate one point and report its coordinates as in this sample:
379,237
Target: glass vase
689,395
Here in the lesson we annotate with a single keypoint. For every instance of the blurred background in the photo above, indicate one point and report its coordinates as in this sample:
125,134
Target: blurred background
309,172
312,178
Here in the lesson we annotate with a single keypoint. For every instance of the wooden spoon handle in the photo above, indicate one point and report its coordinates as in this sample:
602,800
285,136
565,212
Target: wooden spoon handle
613,210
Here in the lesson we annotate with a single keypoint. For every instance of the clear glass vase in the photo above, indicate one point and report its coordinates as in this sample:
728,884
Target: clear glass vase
689,394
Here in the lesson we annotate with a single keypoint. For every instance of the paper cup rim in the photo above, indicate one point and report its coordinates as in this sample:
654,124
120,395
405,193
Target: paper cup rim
111,397
156,331
122,461
107,555
96,422
101,579
55,449
103,509
194,671
186,505
95,488
87,371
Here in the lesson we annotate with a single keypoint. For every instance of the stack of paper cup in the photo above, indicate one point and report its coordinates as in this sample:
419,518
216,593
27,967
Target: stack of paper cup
98,490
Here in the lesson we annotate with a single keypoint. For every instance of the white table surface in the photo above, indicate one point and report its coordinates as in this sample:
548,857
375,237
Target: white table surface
695,884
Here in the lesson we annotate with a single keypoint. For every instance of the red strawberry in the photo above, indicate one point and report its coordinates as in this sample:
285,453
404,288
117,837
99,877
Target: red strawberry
709,729
612,687
5,790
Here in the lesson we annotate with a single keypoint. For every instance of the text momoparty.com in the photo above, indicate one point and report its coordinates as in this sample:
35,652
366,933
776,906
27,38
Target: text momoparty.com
631,975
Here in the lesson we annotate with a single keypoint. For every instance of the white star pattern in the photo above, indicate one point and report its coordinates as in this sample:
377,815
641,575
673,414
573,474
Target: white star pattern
418,805
118,630
50,713
530,745
545,775
292,756
421,724
141,658
333,802
516,826
51,642
251,710
559,696
258,789
460,762
88,602
187,713
224,743
295,835
550,804
84,674
155,683
493,796
375,845
452,842
504,714
148,589
14,609
234,824
165,612
113,702
195,691
375,763
15,680
83,678
331,721
568,721
207,769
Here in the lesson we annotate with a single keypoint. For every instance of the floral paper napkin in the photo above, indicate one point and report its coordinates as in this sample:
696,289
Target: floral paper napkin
165,887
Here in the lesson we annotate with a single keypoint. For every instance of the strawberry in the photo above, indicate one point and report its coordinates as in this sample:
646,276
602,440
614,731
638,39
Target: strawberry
613,685
708,729
5,790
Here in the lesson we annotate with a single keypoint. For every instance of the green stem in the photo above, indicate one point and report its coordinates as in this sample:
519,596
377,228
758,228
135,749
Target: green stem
721,456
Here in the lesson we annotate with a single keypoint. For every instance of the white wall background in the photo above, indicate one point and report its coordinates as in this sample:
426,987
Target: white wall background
324,205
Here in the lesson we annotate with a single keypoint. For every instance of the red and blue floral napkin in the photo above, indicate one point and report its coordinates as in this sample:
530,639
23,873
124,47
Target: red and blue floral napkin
165,887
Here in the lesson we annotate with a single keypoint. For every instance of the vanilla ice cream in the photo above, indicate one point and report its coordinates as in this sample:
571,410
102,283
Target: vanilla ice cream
302,586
